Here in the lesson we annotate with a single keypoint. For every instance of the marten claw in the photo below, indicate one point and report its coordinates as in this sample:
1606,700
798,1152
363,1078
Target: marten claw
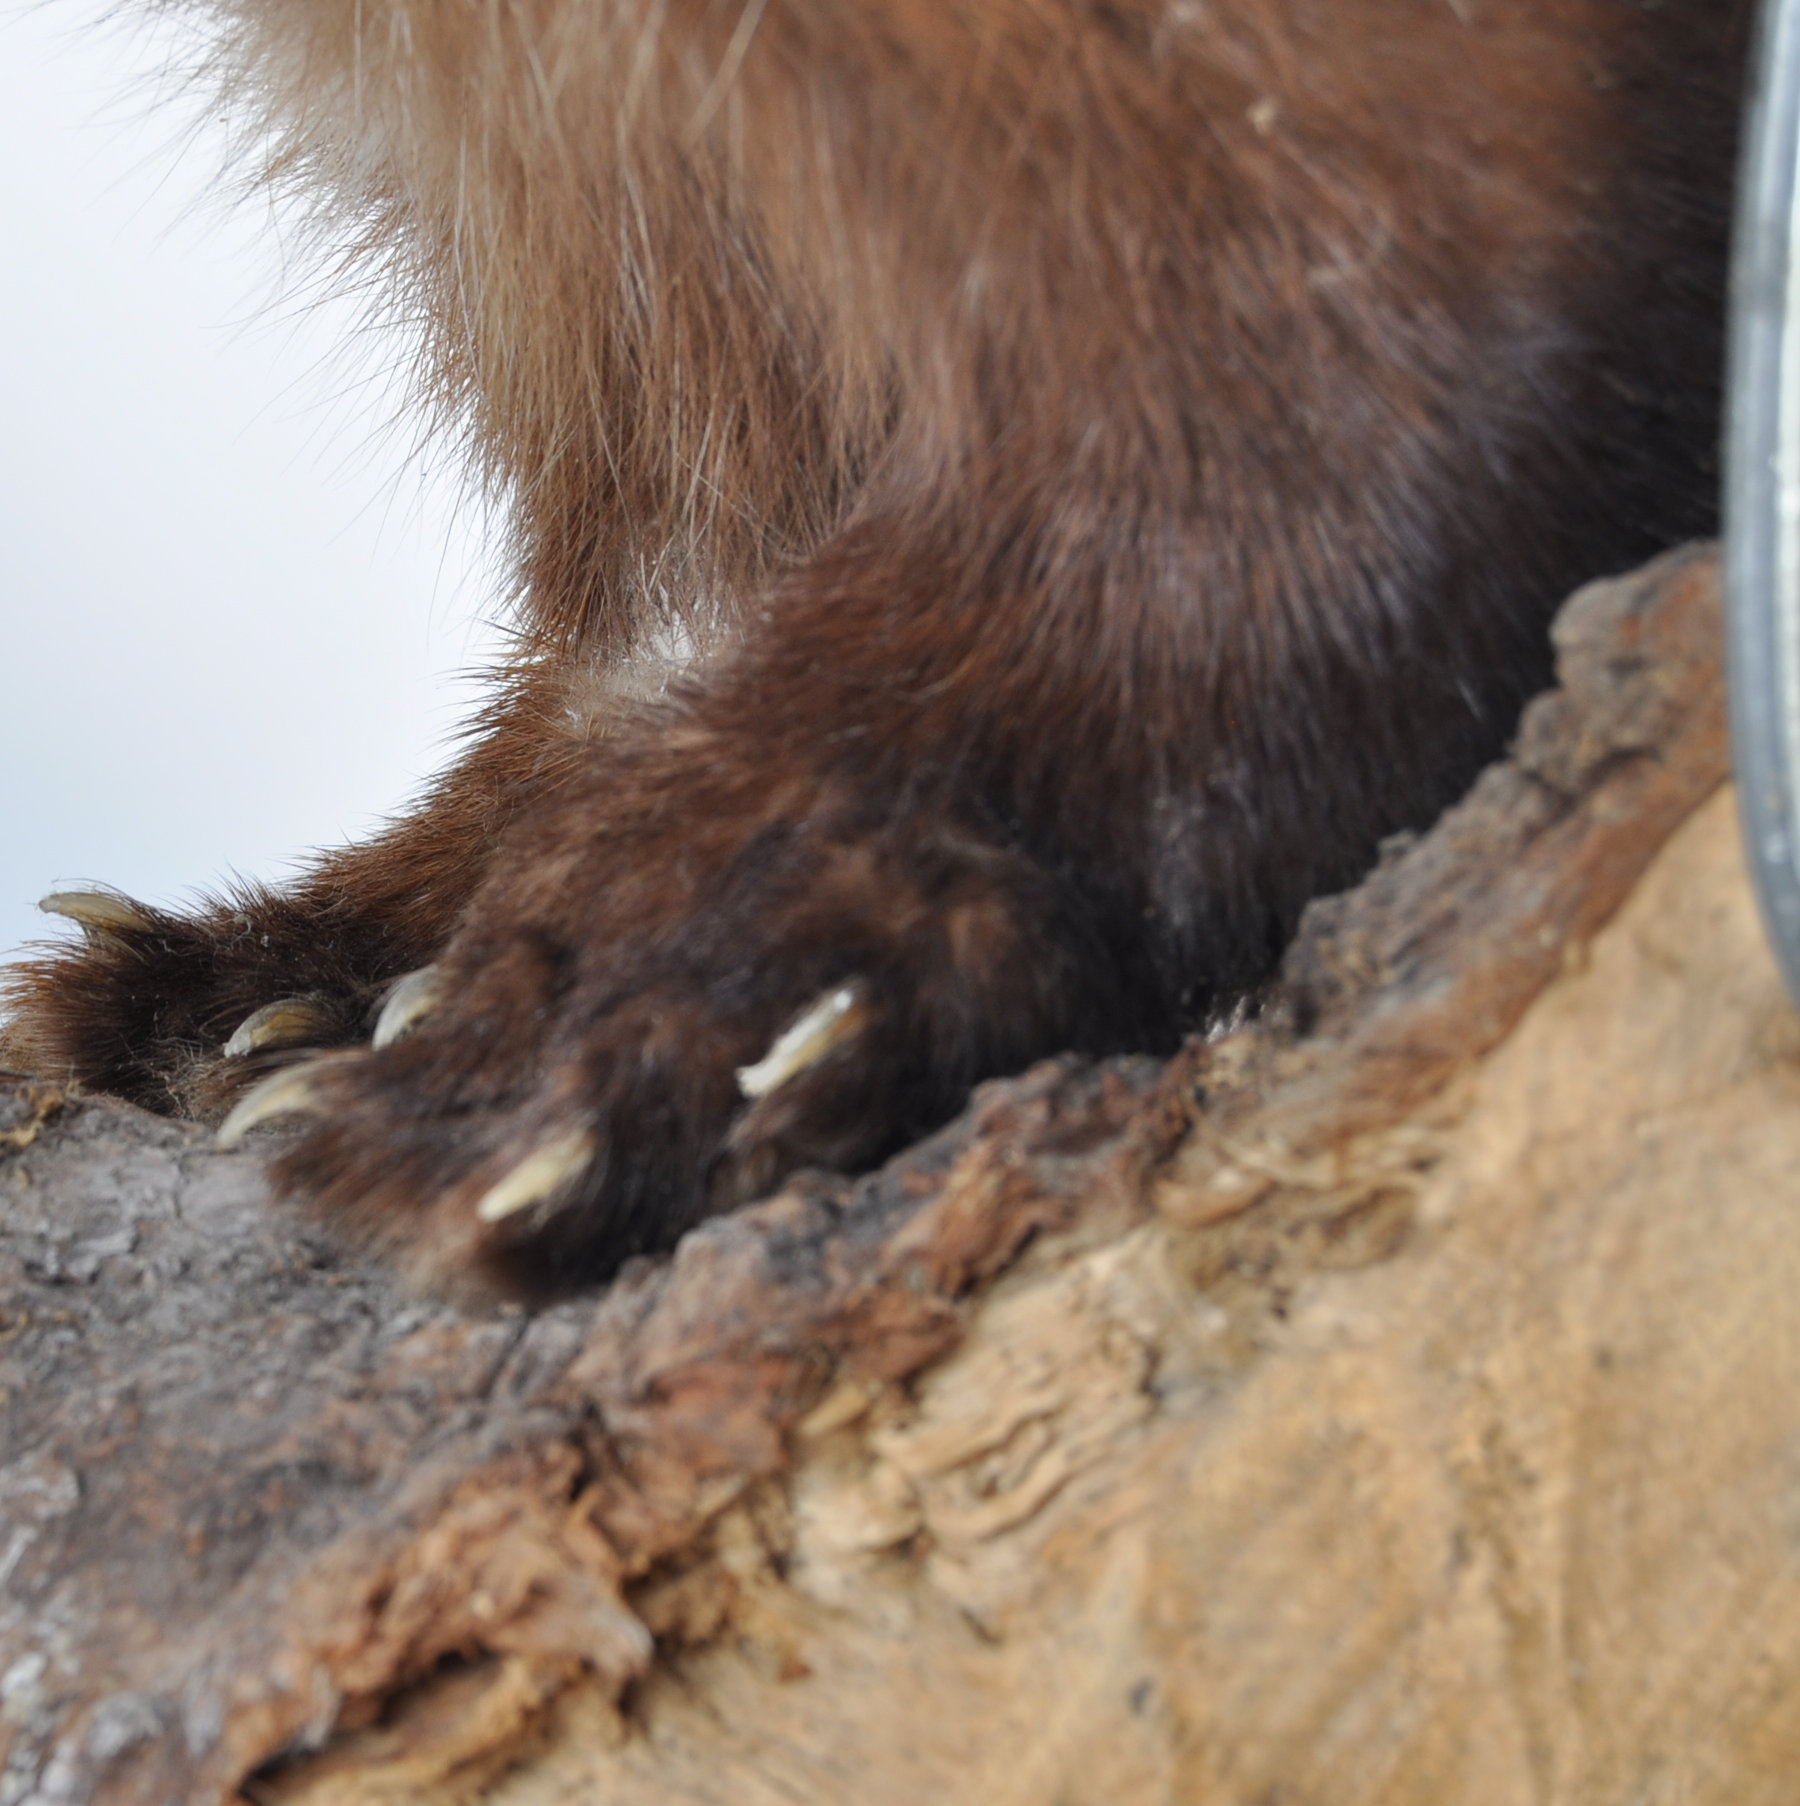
538,1177
414,997
98,911
294,1091
287,1022
825,1025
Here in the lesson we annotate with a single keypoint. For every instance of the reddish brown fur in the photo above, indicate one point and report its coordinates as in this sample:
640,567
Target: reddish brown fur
1112,463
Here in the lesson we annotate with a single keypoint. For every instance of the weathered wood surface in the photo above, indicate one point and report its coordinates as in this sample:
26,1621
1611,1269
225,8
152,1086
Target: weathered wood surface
1395,1401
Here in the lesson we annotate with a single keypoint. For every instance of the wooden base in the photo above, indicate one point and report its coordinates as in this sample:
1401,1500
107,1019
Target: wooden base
1396,1401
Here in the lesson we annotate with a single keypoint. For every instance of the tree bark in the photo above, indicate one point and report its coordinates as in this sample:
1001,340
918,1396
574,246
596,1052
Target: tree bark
1391,1401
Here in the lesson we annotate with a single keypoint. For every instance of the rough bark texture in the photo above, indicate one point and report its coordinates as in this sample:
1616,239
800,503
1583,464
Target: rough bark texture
1393,1401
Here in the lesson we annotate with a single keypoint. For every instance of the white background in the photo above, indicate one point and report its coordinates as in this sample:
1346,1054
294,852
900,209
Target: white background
232,611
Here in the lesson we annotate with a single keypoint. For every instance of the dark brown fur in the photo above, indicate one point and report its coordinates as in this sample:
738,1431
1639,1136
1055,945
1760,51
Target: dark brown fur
1109,464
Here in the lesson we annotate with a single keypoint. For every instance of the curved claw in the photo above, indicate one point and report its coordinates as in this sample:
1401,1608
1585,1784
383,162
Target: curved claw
538,1176
407,1004
287,1022
291,1092
827,1024
98,910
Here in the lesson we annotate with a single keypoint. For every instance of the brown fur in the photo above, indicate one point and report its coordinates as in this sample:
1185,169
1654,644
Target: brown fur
1105,464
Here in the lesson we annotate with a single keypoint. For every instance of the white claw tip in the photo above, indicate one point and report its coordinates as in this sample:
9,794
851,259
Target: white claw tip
825,1025
287,1022
414,997
288,1093
96,909
537,1176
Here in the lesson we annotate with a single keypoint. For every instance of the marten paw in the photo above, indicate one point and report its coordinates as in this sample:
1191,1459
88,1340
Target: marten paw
181,1013
640,1024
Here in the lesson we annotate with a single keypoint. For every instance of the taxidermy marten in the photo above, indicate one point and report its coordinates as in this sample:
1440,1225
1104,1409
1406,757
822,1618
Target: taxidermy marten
1010,498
